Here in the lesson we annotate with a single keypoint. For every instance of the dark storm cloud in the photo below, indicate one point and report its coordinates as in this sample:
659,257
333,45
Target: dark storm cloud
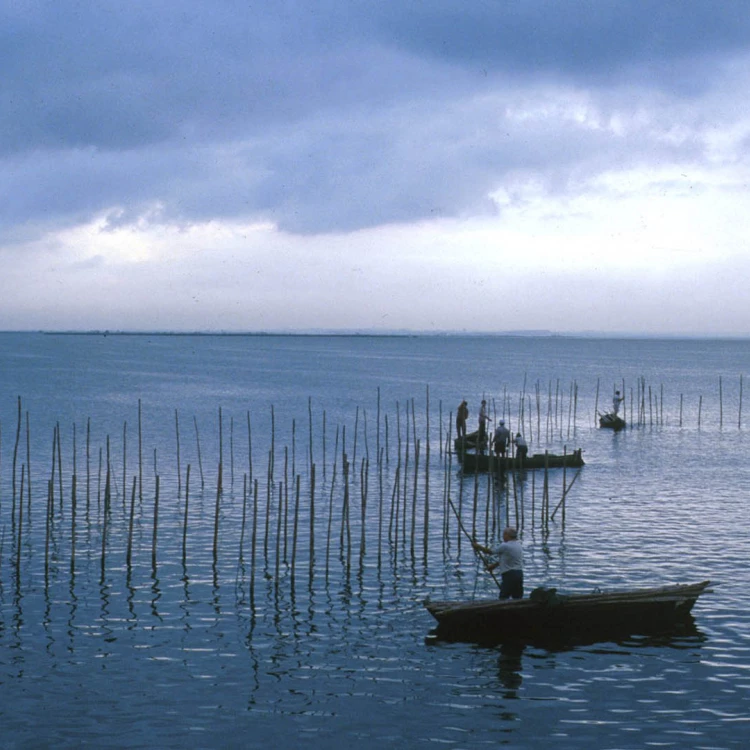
321,116
590,38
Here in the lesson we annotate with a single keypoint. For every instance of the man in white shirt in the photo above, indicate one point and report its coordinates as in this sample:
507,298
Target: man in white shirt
509,561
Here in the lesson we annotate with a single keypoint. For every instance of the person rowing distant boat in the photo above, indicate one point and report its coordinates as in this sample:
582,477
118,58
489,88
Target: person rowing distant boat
617,399
483,419
462,414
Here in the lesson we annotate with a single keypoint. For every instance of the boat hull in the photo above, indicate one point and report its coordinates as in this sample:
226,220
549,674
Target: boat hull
479,462
639,611
470,442
611,422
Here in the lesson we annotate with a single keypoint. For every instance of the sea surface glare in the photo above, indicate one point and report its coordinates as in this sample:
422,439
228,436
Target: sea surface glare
226,541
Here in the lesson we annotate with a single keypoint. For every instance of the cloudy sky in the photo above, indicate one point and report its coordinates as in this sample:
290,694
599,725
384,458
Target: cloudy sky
475,165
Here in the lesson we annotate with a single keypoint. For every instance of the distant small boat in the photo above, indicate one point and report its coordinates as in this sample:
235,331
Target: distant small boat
611,422
549,614
478,462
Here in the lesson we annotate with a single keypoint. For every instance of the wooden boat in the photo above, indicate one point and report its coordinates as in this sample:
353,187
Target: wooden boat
470,442
473,462
611,422
549,614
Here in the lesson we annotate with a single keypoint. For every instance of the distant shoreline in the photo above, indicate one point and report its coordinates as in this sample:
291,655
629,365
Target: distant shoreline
536,334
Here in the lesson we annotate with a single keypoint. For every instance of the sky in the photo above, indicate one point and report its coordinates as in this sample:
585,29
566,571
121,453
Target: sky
426,165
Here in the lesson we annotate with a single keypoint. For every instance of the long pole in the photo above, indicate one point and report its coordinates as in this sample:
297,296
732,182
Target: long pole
473,543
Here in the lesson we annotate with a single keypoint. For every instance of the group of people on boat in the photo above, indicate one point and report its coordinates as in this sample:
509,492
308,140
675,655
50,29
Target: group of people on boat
501,438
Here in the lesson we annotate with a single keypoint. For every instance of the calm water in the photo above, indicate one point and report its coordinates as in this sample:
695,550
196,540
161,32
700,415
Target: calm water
254,626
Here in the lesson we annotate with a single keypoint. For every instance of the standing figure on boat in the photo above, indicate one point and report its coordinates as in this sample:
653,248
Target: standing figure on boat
522,449
617,399
462,414
501,439
483,419
509,560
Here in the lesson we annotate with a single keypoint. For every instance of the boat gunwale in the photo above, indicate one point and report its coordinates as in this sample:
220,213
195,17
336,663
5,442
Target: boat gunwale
675,593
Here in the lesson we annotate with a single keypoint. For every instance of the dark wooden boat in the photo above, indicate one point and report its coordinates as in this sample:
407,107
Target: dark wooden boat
549,614
611,422
473,462
470,442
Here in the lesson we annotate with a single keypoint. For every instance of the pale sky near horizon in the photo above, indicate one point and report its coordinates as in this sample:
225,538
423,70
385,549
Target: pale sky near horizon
483,165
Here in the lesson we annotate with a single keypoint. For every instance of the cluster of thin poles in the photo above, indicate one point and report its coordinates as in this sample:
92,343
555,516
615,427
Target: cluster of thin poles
283,510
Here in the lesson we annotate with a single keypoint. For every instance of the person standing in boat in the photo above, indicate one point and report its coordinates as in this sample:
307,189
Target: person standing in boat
509,561
522,449
462,414
483,419
617,399
501,439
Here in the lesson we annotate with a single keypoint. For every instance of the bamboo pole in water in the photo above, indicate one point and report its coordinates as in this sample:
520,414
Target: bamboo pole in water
59,465
244,515
28,463
73,504
362,509
15,449
124,457
346,530
198,445
50,509
221,452
394,520
231,451
285,513
156,526
700,408
267,517
330,502
377,425
140,453
312,516
721,405
107,490
545,492
216,511
185,517
426,519
130,522
565,493
177,438
277,556
254,536
324,446
20,526
380,503
54,457
99,481
88,465
249,450
414,497
310,423
294,527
